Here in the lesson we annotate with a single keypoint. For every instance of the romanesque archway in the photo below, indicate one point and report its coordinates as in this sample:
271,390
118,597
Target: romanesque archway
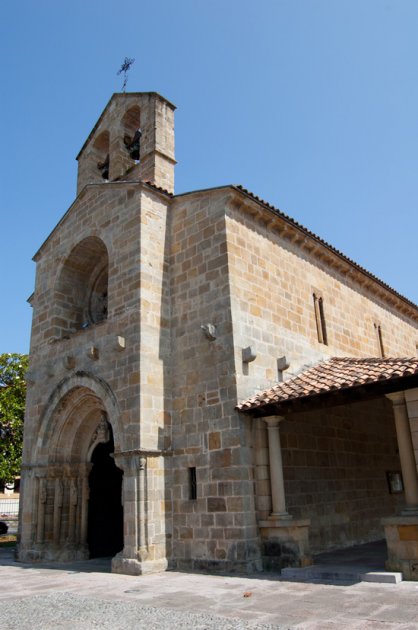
79,430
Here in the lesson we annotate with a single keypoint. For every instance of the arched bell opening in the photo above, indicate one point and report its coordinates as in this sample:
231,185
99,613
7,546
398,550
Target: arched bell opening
105,511
131,126
100,154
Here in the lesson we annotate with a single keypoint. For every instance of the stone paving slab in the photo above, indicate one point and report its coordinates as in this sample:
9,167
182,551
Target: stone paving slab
86,595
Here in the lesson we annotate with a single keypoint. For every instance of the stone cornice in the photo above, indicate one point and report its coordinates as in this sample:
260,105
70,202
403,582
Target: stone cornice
307,241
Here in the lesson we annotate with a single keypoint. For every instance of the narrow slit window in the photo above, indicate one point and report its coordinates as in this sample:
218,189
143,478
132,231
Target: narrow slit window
321,327
379,338
192,484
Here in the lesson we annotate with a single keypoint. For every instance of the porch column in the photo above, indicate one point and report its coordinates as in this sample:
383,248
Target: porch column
285,540
278,500
406,452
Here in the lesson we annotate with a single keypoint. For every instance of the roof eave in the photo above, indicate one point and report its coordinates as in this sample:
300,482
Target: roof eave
333,398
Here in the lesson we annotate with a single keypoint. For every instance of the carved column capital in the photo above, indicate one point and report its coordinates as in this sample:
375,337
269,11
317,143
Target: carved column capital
273,421
130,462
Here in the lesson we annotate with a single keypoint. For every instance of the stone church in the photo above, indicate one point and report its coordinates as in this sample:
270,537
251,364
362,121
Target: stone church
211,385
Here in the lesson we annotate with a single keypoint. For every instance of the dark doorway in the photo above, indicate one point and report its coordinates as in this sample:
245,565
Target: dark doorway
105,515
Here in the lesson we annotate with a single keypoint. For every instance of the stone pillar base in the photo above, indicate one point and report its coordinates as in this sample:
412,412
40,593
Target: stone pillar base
42,552
402,541
285,543
132,566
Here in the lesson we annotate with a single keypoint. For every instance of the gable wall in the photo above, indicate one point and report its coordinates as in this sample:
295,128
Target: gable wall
132,227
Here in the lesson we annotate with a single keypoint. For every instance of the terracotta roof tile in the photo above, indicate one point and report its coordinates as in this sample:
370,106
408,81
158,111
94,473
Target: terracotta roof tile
337,373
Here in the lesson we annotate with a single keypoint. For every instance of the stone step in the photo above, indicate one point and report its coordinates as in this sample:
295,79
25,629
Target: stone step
340,573
381,577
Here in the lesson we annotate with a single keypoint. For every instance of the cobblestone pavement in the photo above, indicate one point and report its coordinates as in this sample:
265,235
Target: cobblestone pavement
85,595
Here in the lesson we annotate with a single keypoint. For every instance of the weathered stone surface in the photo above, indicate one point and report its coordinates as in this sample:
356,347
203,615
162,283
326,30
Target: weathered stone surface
123,286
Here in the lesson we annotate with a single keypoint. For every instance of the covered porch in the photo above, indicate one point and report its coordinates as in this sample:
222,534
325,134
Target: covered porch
335,464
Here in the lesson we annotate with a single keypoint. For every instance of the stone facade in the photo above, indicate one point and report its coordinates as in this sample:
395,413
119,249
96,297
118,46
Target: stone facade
144,302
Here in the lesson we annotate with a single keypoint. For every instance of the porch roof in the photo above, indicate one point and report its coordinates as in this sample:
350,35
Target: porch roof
337,381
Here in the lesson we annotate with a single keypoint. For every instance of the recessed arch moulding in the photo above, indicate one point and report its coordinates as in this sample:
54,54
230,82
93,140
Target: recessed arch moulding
81,288
81,412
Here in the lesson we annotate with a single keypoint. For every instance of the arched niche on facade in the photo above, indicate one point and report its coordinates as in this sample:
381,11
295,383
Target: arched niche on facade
81,295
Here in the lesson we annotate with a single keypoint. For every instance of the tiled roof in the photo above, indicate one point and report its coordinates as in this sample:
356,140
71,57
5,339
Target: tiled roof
337,374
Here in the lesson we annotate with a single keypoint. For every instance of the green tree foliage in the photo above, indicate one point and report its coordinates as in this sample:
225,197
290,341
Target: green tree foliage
12,409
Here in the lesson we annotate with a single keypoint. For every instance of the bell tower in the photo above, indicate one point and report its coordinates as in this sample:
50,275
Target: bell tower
133,139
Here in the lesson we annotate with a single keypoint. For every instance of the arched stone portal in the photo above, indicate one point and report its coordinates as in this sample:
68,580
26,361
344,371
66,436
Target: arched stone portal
78,432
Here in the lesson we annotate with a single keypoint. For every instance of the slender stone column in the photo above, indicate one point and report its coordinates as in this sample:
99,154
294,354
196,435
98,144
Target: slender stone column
278,500
72,510
58,502
85,492
406,452
65,512
41,510
142,540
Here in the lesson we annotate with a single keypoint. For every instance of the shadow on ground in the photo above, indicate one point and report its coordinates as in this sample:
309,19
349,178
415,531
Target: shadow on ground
341,567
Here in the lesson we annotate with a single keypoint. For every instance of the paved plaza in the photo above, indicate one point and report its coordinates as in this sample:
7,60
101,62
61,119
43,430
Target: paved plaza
85,595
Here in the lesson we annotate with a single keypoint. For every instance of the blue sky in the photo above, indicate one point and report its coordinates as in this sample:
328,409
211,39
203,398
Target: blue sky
310,104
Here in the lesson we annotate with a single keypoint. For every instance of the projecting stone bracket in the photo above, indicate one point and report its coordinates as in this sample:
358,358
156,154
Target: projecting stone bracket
120,343
209,331
248,354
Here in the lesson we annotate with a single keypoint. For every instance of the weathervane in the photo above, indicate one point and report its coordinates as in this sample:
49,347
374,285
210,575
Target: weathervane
127,63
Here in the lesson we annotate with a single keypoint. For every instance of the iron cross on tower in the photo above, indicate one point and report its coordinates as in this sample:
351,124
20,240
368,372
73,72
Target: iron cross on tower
127,63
